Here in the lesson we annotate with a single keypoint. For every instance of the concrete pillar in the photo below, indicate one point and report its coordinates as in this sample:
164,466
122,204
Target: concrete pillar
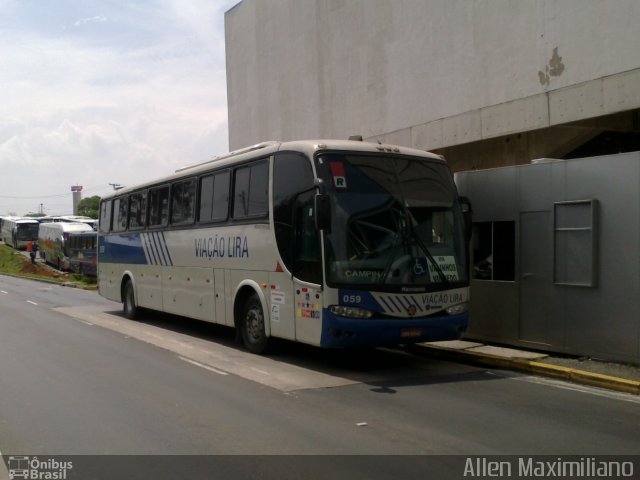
77,196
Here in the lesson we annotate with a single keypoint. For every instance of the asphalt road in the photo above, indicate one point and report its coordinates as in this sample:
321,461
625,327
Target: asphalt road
76,378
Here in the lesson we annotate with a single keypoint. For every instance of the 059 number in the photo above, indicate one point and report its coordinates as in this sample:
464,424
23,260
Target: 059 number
351,299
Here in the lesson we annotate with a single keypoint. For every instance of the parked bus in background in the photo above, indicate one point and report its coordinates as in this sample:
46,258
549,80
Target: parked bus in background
83,252
53,242
92,222
331,243
18,231
2,219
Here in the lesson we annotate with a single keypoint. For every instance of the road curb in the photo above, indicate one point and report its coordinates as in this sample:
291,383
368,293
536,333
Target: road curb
535,367
52,282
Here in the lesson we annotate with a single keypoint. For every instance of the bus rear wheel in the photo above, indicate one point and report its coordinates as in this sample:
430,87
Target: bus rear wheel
252,325
129,307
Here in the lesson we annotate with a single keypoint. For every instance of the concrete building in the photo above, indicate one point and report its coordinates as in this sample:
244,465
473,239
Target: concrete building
485,82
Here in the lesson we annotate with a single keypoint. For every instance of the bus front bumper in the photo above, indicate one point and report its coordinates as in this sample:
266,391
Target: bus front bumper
342,332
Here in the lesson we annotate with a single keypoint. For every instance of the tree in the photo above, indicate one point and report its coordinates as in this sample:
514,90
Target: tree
89,207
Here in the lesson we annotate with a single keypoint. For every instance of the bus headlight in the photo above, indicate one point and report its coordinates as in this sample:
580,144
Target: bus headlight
352,312
457,309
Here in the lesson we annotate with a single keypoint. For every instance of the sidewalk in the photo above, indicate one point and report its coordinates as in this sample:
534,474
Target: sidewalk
613,376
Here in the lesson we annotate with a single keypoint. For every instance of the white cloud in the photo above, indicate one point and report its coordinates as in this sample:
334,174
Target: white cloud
122,107
84,21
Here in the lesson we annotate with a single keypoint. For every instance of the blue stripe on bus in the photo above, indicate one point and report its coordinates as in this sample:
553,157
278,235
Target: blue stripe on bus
124,248
164,251
158,239
153,243
153,259
164,242
385,304
145,246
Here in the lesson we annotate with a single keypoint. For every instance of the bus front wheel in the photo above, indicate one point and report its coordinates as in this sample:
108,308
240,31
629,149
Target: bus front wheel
252,325
129,306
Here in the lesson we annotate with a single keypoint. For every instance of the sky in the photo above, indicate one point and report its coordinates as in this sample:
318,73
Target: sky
95,92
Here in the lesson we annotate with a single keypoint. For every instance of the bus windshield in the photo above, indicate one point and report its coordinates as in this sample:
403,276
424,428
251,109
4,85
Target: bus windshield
396,223
27,231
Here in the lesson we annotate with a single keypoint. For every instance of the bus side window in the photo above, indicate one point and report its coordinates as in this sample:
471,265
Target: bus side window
120,208
206,199
250,191
221,196
137,210
183,201
259,189
105,216
214,197
158,206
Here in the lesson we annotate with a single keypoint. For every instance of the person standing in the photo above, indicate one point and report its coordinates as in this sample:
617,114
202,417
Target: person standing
32,251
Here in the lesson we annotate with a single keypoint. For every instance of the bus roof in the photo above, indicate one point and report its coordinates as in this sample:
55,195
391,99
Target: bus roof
20,219
66,226
309,147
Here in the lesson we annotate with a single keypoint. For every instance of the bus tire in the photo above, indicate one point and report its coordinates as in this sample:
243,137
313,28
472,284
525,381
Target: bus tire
254,337
129,307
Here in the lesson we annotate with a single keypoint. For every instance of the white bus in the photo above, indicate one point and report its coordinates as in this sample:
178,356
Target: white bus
53,241
18,231
331,243
92,222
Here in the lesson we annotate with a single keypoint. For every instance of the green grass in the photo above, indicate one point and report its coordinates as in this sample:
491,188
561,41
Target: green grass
11,261
77,278
14,263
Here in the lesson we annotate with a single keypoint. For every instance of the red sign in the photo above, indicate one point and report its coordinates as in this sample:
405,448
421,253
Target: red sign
339,178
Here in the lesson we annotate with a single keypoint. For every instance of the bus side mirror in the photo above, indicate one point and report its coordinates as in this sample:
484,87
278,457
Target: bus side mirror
322,212
465,206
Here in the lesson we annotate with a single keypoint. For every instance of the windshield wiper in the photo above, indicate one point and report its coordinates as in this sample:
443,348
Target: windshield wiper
387,268
408,221
407,234
428,255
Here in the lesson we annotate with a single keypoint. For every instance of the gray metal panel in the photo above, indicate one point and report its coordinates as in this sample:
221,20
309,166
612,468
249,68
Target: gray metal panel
494,306
605,322
602,321
538,324
492,192
576,234
535,187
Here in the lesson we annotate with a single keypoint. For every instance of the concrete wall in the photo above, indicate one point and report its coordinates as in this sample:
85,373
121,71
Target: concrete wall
426,73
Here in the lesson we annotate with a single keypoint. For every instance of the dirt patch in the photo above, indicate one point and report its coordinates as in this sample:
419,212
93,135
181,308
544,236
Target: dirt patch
38,269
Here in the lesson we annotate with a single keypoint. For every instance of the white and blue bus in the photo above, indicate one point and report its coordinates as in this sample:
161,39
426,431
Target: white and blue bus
54,241
332,243
19,231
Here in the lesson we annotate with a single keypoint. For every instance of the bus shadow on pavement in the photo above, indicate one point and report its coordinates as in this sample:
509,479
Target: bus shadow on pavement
384,368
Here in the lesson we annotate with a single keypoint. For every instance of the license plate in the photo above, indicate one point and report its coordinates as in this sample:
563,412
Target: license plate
411,332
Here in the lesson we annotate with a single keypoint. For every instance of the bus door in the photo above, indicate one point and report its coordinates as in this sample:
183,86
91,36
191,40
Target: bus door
281,304
307,272
295,299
